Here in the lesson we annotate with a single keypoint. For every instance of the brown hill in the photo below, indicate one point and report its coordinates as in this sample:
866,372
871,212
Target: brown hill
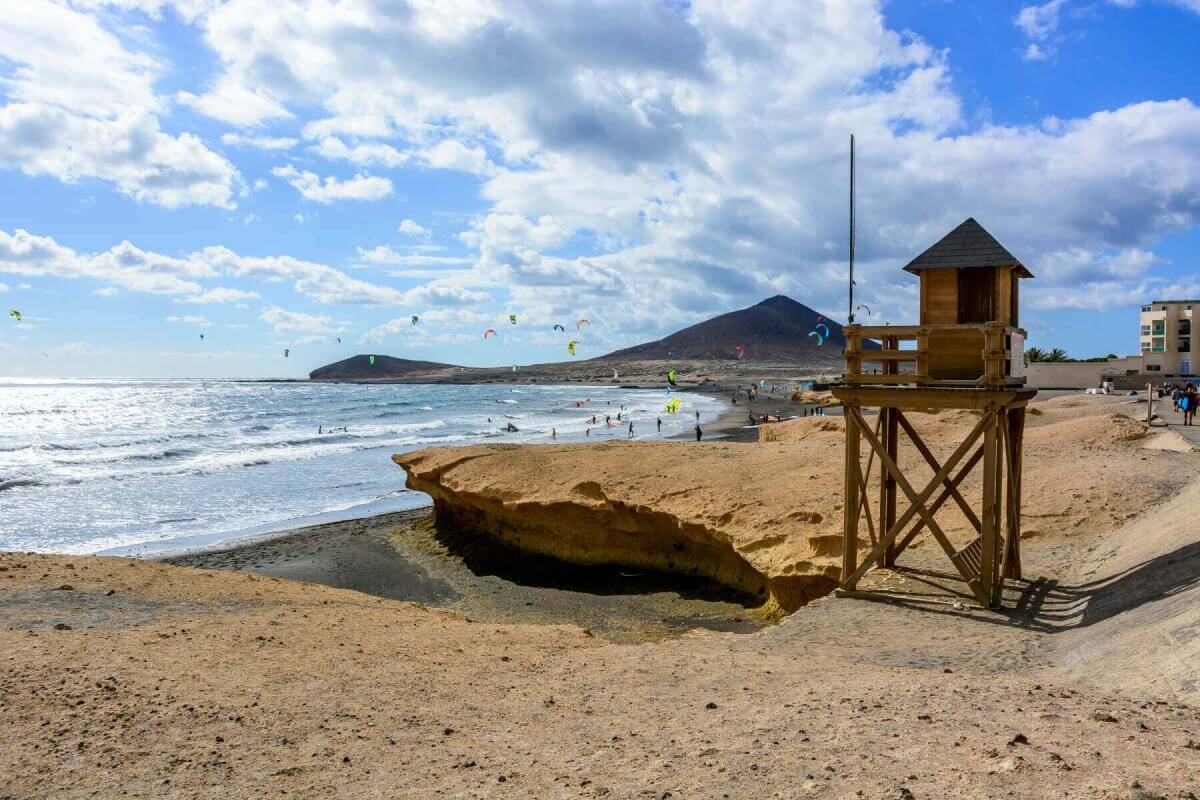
775,330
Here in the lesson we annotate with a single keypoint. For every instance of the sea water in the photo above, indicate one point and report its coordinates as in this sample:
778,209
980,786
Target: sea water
129,466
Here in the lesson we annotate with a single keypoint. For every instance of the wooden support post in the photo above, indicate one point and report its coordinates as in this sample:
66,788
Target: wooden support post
850,502
1001,503
916,501
1012,543
887,483
987,553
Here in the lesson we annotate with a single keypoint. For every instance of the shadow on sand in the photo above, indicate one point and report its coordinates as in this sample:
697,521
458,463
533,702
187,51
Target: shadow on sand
1047,605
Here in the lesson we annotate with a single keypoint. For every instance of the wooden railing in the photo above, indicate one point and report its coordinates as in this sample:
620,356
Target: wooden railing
970,355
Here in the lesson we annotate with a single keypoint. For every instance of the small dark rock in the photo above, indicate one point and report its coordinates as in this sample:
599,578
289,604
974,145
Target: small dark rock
62,626
447,731
711,705
501,779
1020,738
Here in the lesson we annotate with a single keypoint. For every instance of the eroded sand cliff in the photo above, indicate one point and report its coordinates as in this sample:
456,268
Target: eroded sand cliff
766,519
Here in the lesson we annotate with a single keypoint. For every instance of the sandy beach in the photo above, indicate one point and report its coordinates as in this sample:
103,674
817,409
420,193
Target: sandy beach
301,665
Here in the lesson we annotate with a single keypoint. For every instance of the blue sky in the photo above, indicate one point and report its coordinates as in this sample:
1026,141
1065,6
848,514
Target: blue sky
283,174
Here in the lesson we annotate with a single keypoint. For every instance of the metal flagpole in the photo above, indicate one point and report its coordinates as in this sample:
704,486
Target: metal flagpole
851,309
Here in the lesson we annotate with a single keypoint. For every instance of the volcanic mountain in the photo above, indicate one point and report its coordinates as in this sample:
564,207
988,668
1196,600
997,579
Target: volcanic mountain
360,369
776,330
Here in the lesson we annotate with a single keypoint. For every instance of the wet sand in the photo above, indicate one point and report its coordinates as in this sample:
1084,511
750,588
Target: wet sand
402,556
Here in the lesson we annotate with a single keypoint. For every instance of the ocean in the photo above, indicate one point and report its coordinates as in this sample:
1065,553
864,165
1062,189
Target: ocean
138,466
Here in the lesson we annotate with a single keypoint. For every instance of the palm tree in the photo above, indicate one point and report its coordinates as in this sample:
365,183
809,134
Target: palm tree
1034,355
1057,355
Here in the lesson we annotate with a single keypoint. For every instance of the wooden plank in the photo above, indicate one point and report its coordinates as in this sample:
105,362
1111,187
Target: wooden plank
890,355
889,379
924,397
850,501
988,530
866,476
940,288
1012,548
887,483
965,507
917,503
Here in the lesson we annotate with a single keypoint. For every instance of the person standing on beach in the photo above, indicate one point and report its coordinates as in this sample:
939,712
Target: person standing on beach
699,433
554,433
659,421
630,429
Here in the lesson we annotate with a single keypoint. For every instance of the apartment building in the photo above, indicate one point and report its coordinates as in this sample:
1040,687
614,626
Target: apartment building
1166,338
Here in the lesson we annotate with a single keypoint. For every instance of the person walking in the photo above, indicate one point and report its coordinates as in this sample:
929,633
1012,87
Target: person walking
699,433
1190,398
630,429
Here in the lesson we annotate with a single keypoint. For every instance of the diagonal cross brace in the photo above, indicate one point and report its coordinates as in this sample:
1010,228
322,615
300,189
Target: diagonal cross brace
951,486
916,501
941,499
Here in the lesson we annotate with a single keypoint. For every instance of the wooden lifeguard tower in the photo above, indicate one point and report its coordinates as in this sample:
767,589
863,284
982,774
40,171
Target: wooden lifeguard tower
966,353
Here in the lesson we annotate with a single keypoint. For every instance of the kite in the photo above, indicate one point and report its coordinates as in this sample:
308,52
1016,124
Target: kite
672,405
202,337
820,318
339,340
741,351
825,335
560,328
820,339
515,367
670,354
285,352
671,378
489,330
867,307
614,374
372,361
12,312
571,346
414,319
512,318
581,323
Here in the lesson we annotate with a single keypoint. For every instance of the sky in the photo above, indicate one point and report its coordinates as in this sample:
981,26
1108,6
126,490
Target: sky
282,174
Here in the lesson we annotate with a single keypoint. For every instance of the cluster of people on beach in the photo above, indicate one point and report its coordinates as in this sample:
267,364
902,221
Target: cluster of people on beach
1185,398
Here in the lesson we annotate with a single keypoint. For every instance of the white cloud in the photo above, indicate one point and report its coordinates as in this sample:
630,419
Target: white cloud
283,321
451,154
272,143
81,105
220,294
23,253
107,291
1040,21
312,187
4,287
413,230
362,155
232,102
190,319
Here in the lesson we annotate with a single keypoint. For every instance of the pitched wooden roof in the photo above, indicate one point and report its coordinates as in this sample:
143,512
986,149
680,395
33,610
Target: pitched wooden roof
968,246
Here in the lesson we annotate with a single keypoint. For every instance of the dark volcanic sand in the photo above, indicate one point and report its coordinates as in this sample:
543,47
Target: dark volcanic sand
402,557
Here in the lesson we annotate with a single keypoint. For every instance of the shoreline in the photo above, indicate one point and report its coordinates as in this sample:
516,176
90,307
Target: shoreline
402,556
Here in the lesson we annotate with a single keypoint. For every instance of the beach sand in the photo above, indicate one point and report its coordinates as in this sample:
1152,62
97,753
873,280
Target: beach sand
123,677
